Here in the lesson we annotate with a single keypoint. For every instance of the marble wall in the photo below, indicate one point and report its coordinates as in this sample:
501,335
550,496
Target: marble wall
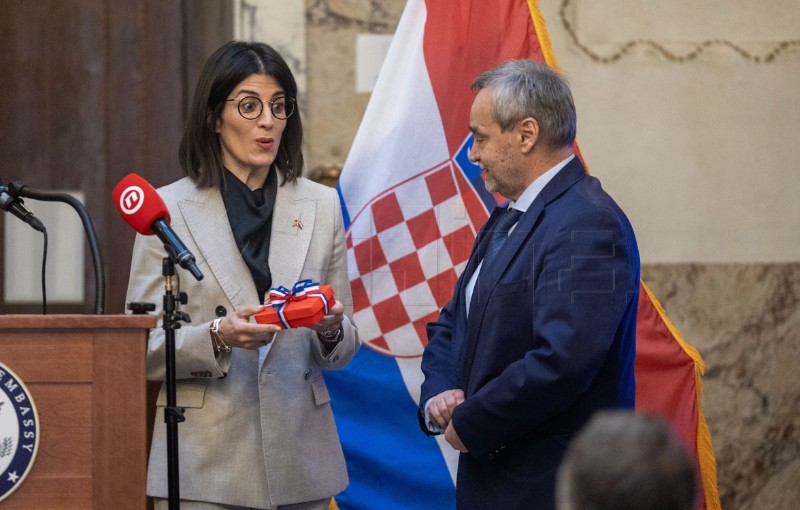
745,321
335,108
743,316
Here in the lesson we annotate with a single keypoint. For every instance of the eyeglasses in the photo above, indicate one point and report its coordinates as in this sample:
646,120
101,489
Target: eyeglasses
251,107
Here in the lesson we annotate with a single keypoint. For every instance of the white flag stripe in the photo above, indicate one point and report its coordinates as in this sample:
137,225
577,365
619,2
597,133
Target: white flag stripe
361,228
414,196
402,141
388,134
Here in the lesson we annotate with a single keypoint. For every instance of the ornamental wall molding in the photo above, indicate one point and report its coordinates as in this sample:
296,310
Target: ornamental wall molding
625,48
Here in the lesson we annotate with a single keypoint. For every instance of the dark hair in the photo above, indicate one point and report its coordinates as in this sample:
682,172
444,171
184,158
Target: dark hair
524,88
626,461
200,152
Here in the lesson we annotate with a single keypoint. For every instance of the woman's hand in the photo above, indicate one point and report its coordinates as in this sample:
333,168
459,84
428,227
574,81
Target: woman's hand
330,325
236,330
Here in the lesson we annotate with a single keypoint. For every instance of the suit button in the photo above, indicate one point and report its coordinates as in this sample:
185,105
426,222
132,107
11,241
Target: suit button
221,311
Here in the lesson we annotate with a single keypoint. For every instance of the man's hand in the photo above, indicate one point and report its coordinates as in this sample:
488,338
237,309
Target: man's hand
441,407
451,437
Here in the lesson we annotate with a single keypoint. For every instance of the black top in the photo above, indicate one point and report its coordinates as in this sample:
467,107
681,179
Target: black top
250,216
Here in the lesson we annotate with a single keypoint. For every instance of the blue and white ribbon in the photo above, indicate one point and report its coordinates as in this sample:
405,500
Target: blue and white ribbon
279,297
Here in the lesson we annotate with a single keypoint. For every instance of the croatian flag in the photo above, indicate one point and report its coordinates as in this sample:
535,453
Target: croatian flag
413,204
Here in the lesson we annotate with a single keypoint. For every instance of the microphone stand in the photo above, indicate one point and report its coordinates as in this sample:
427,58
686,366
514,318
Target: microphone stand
172,413
18,189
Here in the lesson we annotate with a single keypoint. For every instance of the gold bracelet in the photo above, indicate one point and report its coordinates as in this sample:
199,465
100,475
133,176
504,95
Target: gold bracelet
219,344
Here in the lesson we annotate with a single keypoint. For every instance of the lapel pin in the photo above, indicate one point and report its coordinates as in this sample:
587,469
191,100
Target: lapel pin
298,224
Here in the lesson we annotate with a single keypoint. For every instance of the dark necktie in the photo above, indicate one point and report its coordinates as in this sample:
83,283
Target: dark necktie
500,231
499,234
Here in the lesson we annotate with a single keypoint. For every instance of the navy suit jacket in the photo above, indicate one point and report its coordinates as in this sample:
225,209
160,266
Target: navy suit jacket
550,339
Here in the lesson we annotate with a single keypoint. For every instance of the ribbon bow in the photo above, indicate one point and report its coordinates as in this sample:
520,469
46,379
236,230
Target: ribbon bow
279,297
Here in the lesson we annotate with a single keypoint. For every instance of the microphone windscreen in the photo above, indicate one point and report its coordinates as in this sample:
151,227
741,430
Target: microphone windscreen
139,204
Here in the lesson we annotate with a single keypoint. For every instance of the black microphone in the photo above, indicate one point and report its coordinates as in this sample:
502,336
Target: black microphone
176,248
142,208
16,207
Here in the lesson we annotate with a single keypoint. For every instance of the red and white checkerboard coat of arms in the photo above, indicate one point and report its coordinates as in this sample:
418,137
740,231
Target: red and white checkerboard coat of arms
406,249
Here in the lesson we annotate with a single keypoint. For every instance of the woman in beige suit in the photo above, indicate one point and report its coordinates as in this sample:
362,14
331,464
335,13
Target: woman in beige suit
259,431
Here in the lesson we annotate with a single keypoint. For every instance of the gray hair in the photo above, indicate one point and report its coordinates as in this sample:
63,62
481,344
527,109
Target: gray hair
626,461
524,88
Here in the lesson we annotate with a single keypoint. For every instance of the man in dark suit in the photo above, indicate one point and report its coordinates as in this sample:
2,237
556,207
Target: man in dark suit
540,331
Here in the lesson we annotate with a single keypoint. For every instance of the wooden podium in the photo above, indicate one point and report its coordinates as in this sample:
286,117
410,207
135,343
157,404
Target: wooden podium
86,375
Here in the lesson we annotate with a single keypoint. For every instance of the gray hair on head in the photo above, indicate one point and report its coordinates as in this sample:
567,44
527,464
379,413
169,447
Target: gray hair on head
623,460
524,88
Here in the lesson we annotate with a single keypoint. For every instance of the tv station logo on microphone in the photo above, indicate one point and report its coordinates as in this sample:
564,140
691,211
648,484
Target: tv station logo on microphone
19,432
131,199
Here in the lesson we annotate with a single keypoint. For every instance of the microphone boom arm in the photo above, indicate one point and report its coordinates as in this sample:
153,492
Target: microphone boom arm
21,190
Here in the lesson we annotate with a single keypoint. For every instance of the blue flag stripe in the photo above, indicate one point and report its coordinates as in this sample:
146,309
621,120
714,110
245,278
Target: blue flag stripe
387,454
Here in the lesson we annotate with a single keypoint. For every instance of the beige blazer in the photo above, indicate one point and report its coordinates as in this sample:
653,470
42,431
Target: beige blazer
259,430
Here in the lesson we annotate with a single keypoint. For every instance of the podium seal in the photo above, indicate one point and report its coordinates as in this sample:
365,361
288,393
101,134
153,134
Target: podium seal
19,432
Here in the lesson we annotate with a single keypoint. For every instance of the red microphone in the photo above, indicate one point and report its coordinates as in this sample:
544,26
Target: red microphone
142,208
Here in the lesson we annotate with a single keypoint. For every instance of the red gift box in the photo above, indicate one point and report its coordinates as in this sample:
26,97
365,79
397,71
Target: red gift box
305,305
